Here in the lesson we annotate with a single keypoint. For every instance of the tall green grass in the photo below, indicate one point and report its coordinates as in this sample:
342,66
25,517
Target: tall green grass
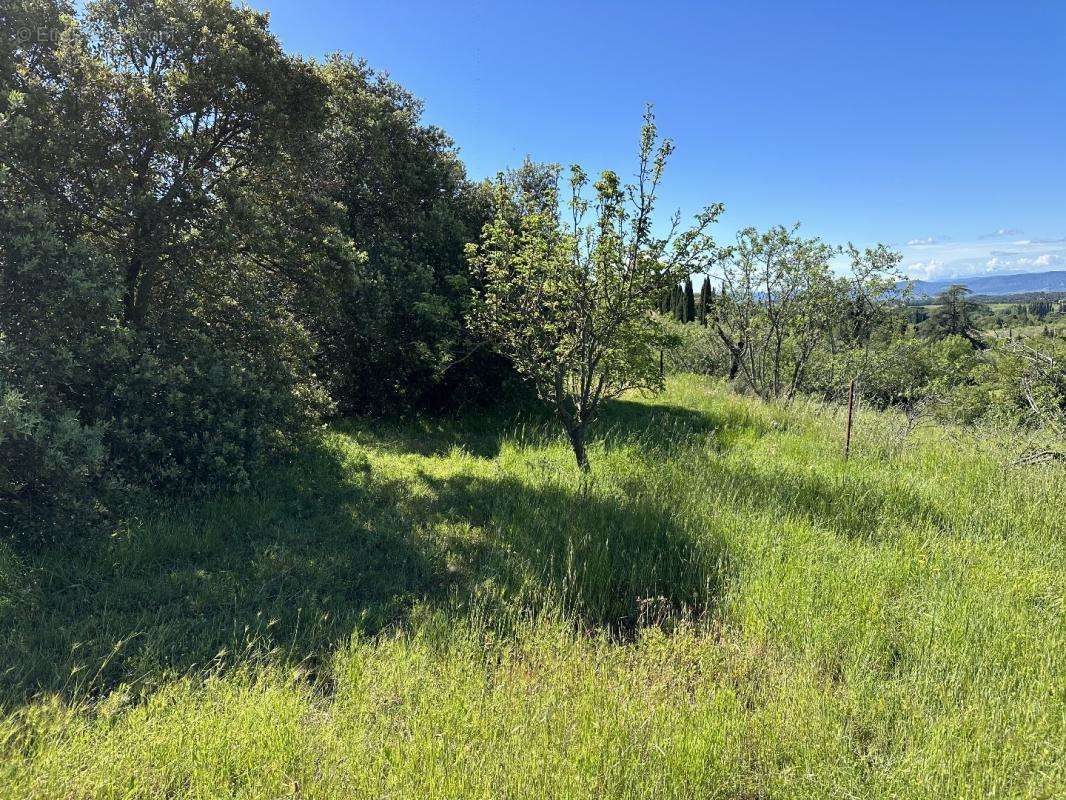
449,609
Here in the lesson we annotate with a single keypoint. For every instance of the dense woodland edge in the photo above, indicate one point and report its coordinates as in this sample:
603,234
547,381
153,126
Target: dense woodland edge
209,247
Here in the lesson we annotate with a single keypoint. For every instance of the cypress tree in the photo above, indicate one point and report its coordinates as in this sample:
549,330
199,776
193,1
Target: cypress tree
677,303
690,302
705,300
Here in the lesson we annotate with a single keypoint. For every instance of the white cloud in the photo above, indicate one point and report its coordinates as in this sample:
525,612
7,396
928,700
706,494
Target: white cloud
928,240
1022,262
999,234
925,270
945,260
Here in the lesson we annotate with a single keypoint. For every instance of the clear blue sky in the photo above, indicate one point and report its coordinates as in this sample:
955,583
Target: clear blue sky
872,121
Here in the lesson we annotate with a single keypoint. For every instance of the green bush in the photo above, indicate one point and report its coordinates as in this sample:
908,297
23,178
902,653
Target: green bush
189,416
697,350
1025,384
59,348
194,402
50,467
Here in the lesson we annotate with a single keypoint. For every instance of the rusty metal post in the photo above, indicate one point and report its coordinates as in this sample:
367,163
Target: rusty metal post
851,411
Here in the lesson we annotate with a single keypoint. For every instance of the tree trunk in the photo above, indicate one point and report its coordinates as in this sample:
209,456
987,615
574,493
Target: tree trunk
576,435
736,351
734,363
129,296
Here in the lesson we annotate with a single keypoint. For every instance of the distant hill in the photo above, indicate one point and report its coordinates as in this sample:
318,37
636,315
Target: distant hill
996,285
1019,297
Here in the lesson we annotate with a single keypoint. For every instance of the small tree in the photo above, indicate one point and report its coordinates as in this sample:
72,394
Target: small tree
571,301
778,300
955,316
783,314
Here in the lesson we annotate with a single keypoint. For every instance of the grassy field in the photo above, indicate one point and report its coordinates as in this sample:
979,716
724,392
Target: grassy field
1058,326
428,609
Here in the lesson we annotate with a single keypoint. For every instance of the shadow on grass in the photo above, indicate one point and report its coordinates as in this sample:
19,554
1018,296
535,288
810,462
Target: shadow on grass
317,551
324,548
656,426
480,434
853,505
611,563
661,427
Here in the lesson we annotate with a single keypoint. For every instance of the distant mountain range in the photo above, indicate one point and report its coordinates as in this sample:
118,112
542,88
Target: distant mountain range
997,284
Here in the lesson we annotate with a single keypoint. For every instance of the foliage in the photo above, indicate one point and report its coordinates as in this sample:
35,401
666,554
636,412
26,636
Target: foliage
1024,385
786,321
775,307
571,302
404,199
156,269
690,302
191,417
954,316
59,343
694,349
704,303
1016,385
146,132
50,466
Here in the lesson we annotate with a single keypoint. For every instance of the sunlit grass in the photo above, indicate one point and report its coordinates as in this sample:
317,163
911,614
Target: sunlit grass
448,609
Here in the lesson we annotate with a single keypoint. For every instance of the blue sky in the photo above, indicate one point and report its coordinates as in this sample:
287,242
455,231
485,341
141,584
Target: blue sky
938,127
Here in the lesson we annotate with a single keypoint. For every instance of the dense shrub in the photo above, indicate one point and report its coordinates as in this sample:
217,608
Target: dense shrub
1024,384
59,348
207,244
189,416
696,349
156,320
87,404
50,467
900,371
410,209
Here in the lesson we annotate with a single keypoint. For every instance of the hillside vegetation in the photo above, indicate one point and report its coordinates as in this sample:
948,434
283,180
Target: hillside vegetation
722,608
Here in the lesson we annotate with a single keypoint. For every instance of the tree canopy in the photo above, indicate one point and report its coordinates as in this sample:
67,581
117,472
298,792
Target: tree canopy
568,286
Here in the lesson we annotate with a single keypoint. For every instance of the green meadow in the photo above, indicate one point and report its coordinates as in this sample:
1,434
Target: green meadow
418,608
